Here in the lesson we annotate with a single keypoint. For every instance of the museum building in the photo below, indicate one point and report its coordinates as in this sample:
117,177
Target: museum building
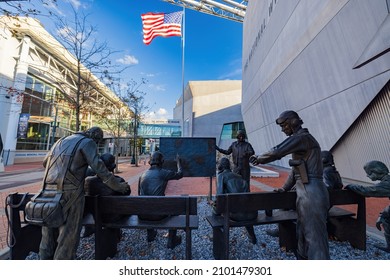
37,78
330,62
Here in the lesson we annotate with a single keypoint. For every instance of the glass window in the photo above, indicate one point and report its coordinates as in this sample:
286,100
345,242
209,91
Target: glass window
229,130
38,103
29,83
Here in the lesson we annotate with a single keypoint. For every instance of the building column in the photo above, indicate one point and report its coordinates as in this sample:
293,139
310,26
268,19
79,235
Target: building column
19,85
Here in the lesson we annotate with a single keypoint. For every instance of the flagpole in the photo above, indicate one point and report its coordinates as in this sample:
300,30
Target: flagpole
182,73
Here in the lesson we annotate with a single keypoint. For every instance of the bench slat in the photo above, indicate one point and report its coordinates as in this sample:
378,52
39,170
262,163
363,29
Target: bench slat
256,201
277,217
340,212
147,205
177,222
262,219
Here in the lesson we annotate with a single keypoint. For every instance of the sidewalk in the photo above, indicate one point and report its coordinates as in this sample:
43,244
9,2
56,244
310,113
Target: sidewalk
198,186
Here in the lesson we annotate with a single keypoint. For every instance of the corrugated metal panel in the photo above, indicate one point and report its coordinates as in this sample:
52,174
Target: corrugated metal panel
367,139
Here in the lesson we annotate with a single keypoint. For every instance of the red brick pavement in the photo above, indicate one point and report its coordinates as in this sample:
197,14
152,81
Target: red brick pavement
189,186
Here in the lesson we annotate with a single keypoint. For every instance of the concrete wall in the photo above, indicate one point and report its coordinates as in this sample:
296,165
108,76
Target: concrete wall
299,55
208,105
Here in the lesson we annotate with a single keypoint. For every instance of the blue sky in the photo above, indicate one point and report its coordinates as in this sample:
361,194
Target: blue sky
213,47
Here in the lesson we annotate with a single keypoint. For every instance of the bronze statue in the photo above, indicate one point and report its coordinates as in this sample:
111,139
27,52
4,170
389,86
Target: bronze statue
95,186
67,165
154,182
229,182
332,178
377,171
241,152
312,203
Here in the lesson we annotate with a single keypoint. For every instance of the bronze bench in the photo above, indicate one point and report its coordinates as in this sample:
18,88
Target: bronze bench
182,211
342,224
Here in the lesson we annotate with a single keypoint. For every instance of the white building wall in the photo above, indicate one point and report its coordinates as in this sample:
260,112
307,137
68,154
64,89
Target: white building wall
208,105
13,71
299,55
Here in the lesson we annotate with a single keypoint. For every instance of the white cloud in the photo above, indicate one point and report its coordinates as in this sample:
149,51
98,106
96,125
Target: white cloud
161,113
233,75
128,60
157,87
149,75
75,3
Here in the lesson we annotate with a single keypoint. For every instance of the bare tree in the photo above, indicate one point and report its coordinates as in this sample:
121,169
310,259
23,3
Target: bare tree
92,59
25,8
115,118
135,99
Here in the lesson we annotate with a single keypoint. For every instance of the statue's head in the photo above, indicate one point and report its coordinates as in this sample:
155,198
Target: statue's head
95,133
223,164
241,135
289,121
376,170
156,158
327,158
109,161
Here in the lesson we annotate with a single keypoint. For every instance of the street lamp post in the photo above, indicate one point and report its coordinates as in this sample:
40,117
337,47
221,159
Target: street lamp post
134,157
54,126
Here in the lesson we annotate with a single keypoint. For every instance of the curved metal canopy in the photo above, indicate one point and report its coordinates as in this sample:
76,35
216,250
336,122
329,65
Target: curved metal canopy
228,9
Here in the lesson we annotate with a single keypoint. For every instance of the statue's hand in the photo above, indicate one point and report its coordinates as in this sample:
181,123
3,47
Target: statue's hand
124,188
280,190
379,223
347,187
253,160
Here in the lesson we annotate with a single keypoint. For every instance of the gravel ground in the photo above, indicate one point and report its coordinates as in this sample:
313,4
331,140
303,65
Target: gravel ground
134,246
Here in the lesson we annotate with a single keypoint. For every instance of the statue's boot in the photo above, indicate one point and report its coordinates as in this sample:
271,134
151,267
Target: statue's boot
173,239
251,234
88,231
151,234
299,256
273,232
387,247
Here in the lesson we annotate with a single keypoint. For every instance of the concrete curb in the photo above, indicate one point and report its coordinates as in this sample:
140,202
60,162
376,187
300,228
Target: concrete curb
4,254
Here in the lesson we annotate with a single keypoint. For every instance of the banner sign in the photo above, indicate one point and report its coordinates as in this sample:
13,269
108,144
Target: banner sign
22,126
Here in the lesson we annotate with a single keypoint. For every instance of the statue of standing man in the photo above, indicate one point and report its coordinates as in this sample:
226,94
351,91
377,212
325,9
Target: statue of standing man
312,202
241,152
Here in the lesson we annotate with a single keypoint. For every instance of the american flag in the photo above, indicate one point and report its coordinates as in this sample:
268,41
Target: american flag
161,24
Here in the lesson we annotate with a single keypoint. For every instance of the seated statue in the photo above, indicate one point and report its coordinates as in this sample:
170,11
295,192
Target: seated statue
154,182
332,178
93,185
230,182
377,171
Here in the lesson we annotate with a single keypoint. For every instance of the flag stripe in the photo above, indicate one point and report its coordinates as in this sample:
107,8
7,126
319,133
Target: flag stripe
160,24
